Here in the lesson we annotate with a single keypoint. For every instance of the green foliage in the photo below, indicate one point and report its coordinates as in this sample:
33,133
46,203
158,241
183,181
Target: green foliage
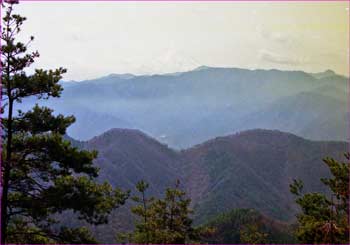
142,210
42,174
76,235
162,221
324,219
245,226
296,187
24,231
252,234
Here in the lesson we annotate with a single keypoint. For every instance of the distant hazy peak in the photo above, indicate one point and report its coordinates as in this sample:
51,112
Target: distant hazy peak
329,71
262,131
127,76
122,131
256,134
124,134
200,68
326,73
121,76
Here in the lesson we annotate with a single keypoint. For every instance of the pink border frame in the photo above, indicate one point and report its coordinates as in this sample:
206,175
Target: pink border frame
214,1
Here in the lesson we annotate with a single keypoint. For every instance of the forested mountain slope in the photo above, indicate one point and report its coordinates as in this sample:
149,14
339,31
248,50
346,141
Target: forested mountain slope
251,169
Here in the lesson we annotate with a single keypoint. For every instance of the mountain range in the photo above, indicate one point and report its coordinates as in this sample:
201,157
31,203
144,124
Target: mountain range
235,138
186,108
250,169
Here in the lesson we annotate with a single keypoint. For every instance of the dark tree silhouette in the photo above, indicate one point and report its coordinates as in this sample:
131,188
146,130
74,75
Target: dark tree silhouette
42,175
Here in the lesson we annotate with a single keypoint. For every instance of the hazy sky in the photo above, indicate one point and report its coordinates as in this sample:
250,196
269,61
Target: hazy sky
93,39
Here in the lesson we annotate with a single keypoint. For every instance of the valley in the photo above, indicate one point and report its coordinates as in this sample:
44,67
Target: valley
251,169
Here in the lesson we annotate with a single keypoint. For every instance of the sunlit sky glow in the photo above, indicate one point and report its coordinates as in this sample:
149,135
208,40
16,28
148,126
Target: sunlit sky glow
93,39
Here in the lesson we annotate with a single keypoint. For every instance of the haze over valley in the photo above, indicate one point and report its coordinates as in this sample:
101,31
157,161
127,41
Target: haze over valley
235,138
187,108
174,122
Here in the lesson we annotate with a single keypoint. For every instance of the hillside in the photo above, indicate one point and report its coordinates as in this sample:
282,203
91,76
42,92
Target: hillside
251,169
127,156
304,114
184,109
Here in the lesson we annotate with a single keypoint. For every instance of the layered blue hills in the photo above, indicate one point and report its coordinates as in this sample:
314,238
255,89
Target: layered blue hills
185,108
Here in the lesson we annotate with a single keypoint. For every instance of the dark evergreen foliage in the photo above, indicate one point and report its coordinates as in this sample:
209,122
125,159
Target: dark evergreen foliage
162,221
325,218
245,226
42,174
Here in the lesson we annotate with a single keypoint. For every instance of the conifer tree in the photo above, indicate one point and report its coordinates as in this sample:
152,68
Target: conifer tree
162,221
325,218
253,234
42,175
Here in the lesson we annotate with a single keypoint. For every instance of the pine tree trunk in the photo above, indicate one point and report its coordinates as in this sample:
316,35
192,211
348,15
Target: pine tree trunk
7,163
6,168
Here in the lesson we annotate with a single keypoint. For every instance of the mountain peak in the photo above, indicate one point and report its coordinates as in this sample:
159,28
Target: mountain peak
200,68
254,135
329,71
121,76
122,131
126,138
324,74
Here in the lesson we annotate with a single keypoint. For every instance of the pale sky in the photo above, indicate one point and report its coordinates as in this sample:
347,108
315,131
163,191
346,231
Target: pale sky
93,39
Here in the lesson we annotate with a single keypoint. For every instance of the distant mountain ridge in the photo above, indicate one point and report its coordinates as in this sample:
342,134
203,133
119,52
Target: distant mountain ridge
250,169
185,108
317,75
